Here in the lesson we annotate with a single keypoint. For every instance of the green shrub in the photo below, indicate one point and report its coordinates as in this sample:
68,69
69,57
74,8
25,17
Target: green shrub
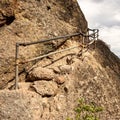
85,111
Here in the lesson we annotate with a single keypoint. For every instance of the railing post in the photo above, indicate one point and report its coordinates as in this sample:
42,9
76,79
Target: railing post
94,36
88,35
16,65
97,35
83,41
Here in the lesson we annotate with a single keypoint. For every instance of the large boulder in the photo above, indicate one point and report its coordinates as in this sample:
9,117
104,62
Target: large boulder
45,88
40,73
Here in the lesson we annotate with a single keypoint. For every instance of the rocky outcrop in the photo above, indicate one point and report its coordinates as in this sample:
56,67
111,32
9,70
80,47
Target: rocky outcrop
49,100
40,73
7,12
45,88
34,20
50,89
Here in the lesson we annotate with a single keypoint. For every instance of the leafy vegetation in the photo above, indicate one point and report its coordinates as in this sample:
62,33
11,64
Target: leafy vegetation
86,111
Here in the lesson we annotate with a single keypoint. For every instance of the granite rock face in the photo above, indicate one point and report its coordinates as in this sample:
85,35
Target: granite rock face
56,100
25,21
7,12
50,88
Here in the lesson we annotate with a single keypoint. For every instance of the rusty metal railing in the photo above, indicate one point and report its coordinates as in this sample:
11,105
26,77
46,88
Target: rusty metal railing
91,35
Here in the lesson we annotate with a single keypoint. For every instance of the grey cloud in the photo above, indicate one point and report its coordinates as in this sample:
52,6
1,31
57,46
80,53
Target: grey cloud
106,21
117,51
97,1
114,4
102,14
108,12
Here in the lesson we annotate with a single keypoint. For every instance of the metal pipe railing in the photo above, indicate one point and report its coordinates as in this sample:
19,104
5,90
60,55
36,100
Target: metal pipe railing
94,37
16,65
46,55
47,40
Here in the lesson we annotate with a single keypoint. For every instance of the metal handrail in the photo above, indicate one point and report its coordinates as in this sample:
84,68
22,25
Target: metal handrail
94,37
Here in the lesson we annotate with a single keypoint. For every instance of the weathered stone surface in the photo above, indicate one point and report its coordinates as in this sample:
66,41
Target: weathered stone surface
45,100
40,73
34,20
20,105
56,70
45,88
24,85
66,69
62,69
59,79
7,11
95,78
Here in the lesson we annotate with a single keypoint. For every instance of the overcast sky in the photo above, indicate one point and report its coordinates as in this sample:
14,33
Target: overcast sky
104,15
